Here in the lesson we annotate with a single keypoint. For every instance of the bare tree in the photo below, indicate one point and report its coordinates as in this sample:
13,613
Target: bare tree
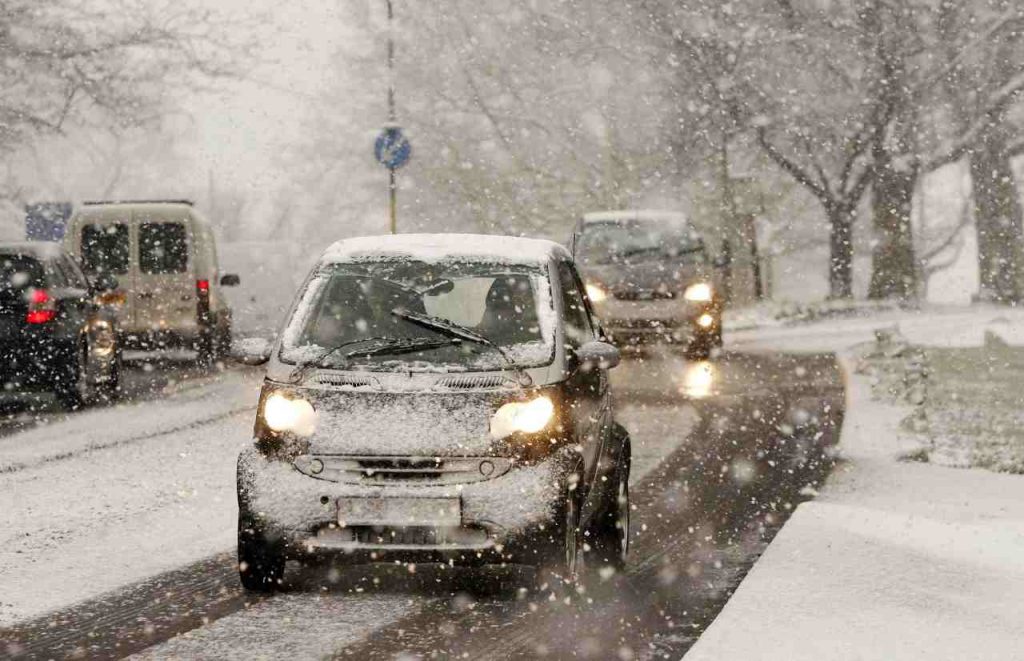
70,62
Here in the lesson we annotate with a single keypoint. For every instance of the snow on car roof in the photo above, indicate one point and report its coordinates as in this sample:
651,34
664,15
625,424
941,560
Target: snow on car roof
634,214
439,247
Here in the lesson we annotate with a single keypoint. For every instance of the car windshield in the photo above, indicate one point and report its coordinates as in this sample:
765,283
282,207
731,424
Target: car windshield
634,241
370,315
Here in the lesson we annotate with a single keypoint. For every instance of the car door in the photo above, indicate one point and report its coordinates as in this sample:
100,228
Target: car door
71,293
165,288
587,388
105,246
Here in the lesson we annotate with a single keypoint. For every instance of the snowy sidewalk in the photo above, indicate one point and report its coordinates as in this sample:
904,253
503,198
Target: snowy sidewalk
893,560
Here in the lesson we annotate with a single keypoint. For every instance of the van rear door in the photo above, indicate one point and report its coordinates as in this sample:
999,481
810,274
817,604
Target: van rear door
165,285
104,246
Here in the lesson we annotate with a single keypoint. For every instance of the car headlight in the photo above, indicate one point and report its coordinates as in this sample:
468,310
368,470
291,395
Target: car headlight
595,293
528,417
700,292
289,414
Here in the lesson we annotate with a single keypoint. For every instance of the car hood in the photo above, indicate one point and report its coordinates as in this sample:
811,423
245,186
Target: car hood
644,277
403,424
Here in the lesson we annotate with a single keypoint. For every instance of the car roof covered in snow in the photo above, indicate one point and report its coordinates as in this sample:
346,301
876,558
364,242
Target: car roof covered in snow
443,247
37,249
634,214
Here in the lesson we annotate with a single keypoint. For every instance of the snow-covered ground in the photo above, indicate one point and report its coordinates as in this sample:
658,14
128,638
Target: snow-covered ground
103,498
893,560
933,325
95,501
319,623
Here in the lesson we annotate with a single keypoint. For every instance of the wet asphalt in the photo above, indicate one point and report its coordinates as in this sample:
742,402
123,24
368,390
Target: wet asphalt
760,444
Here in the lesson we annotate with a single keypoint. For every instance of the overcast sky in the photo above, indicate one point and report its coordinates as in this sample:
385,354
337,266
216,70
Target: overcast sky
240,130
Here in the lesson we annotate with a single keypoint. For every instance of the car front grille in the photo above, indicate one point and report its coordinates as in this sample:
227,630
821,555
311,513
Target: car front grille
411,471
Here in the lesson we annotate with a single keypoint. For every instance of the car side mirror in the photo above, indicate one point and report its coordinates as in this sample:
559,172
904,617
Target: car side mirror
230,280
600,355
104,282
251,350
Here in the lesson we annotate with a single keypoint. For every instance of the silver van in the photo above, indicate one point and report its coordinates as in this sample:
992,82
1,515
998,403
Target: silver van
164,256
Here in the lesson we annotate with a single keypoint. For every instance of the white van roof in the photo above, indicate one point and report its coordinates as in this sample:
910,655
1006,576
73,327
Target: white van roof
99,209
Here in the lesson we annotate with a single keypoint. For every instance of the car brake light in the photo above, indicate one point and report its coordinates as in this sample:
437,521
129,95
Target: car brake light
203,302
41,308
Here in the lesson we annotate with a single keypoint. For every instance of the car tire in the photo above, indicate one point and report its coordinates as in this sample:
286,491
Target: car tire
609,536
699,347
75,389
213,344
261,562
562,563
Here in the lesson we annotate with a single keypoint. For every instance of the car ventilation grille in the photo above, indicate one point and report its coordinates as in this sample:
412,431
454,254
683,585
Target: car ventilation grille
475,382
352,380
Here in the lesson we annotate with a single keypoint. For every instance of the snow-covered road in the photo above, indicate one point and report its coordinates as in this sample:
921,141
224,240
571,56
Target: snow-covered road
96,500
143,552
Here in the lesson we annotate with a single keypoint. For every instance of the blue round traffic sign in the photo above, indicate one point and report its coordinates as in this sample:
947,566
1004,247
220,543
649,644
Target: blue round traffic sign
392,148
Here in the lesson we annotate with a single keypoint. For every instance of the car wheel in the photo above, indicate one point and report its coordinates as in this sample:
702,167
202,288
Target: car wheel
564,562
699,347
77,388
610,536
260,561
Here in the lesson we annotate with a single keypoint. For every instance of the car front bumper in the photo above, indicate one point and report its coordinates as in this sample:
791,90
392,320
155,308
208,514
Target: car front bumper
494,521
671,319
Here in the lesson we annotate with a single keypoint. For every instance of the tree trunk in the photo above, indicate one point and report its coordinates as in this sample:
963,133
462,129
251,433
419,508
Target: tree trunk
840,220
893,265
997,216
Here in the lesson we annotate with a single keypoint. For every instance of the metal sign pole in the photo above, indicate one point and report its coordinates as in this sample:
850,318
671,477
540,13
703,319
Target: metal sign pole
392,120
392,148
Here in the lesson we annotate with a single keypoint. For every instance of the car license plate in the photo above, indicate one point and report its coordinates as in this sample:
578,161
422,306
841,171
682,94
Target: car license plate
400,511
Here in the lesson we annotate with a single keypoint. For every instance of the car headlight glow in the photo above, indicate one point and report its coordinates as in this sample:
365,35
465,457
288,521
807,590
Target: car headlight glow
289,414
528,417
595,293
700,292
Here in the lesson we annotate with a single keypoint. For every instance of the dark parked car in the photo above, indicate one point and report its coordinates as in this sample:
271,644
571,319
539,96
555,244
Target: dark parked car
53,335
649,277
436,398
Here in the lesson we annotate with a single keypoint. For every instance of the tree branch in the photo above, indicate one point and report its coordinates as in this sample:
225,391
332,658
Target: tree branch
802,176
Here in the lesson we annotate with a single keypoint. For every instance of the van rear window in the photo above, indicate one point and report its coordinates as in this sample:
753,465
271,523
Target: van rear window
163,248
105,248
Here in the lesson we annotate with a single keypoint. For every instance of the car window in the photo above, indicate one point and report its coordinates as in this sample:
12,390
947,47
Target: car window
73,274
18,272
578,328
163,248
638,241
55,273
105,248
511,306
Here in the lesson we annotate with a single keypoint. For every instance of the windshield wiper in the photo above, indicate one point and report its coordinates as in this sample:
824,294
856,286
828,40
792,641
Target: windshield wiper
452,329
407,345
300,372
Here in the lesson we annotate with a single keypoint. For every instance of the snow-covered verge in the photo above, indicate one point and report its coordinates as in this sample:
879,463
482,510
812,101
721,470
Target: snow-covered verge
894,559
929,326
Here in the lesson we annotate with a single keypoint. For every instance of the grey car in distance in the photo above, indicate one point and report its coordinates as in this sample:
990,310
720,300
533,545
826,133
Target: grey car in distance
649,278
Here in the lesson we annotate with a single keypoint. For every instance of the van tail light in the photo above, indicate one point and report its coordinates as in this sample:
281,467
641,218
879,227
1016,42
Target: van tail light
203,301
41,307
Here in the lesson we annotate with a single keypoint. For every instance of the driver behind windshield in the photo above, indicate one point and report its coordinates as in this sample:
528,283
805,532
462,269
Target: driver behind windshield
358,305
